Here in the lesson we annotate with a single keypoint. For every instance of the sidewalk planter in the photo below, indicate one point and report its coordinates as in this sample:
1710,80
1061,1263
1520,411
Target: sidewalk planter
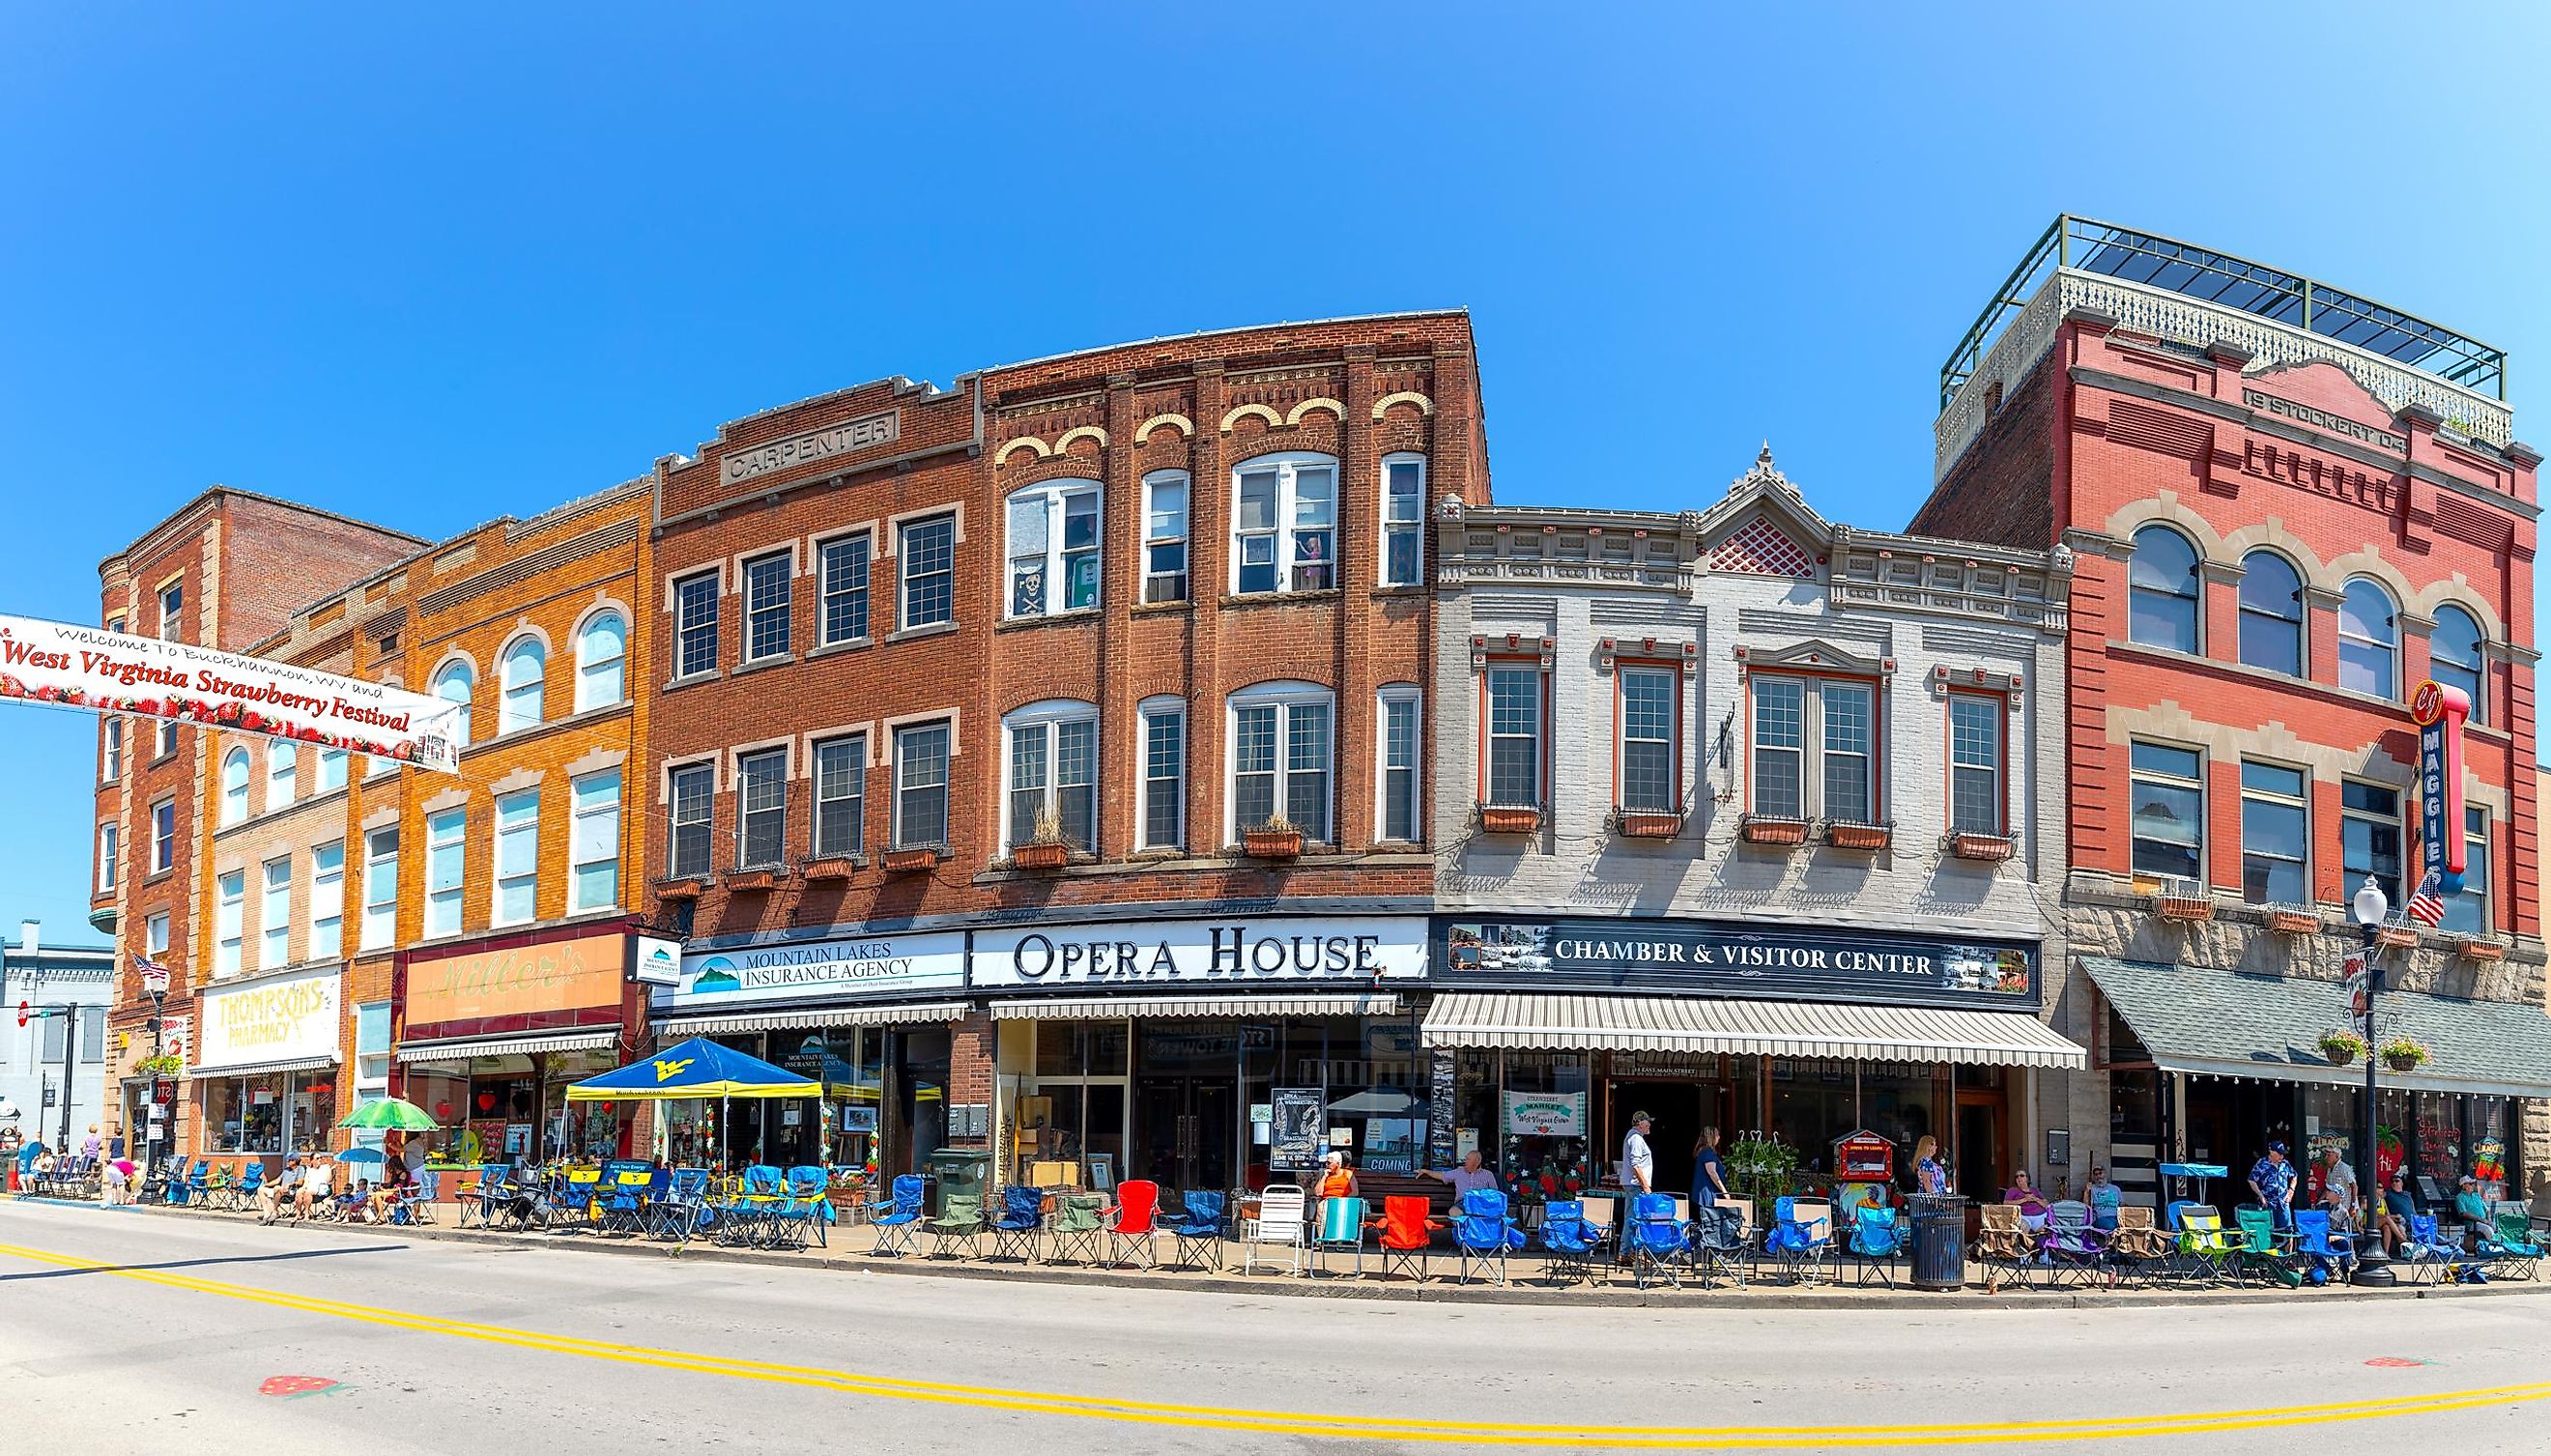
1759,829
1509,818
1637,825
2481,948
1271,843
1845,834
2184,907
912,861
1040,857
1988,847
2293,922
829,868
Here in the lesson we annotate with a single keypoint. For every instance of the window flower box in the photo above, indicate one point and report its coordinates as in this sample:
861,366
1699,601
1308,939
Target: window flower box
2185,908
2396,938
1852,835
914,859
757,880
1040,855
1272,841
1990,848
1509,818
1649,824
1764,829
2293,922
829,868
2479,948
686,887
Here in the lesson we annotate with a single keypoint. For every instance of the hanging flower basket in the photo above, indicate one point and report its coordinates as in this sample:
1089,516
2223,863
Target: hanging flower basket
2403,1055
2341,1046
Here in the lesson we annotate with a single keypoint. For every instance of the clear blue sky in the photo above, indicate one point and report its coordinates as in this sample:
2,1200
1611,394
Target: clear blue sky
437,268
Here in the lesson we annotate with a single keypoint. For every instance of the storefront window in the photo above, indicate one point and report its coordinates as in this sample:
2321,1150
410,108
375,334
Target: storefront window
1532,1163
270,1114
2436,1151
2330,1121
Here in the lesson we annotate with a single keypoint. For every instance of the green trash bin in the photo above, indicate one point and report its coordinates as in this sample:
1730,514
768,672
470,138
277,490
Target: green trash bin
960,1172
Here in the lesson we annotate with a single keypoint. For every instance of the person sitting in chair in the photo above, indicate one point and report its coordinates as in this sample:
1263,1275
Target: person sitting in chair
316,1178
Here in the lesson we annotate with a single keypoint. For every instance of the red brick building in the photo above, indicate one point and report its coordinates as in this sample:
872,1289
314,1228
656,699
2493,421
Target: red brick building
1104,674
2288,506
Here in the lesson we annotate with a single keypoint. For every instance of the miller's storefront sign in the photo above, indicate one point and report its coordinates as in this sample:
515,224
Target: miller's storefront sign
518,986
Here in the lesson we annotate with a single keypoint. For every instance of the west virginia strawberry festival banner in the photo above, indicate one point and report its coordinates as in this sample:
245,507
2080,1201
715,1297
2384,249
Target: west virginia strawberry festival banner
106,672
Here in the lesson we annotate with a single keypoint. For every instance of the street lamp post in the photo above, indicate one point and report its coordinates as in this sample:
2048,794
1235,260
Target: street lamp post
2373,1264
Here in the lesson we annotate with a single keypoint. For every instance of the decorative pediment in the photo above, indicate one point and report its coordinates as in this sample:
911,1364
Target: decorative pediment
1485,645
1945,677
1813,655
1763,526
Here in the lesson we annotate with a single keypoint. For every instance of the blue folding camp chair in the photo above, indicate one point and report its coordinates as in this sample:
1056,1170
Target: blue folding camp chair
803,1208
896,1226
1877,1241
1659,1243
1341,1230
683,1210
488,1196
1800,1238
414,1204
627,1187
1483,1233
1197,1233
750,1216
1569,1240
1717,1234
243,1191
199,1190
2428,1259
1022,1220
2328,1255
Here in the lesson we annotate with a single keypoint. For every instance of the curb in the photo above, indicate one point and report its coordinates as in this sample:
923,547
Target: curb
1329,1286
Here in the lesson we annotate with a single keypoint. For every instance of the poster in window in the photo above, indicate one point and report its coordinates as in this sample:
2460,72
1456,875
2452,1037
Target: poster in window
1293,1145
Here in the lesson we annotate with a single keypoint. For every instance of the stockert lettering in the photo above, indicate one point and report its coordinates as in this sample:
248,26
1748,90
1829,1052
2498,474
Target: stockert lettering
2322,419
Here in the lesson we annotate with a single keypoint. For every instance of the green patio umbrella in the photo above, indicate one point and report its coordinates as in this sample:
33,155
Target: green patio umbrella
390,1114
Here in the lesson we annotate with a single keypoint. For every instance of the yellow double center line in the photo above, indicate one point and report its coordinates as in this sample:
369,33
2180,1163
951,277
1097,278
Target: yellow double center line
1345,1427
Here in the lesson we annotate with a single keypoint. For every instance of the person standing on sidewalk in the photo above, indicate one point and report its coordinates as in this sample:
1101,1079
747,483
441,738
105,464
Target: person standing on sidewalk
1707,1183
1638,1160
2272,1182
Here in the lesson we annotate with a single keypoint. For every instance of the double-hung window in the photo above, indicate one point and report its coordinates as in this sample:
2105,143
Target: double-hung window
1650,740
523,676
843,566
332,769
1815,747
921,785
1397,776
2162,590
1053,548
601,661
1164,774
234,787
2276,835
1977,802
446,854
230,912
275,914
1514,734
327,902
2272,614
164,835
593,842
2166,808
1054,775
2467,913
453,683
841,795
380,888
164,740
1403,520
927,569
2369,639
108,838
172,611
688,791
2454,657
1284,524
282,768
155,935
518,859
2369,838
762,809
1164,535
767,605
695,624
114,751
1280,758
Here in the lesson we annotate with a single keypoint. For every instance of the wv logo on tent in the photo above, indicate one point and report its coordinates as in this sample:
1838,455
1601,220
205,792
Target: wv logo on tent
667,1071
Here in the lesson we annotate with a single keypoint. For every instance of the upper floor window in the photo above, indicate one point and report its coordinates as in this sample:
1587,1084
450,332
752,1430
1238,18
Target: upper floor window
165,740
695,624
1053,790
2276,835
107,837
327,902
1164,774
2467,913
445,856
332,769
1977,802
2272,614
762,809
2454,657
274,915
164,835
1651,730
767,602
380,888
1284,524
687,791
113,753
1164,535
234,787
524,672
230,917
1053,548
155,935
2369,639
844,565
1281,740
2369,838
841,795
928,571
1814,748
283,770
593,842
921,752
172,611
1403,520
1514,734
601,661
1398,777
518,859
2162,591
451,684
2165,805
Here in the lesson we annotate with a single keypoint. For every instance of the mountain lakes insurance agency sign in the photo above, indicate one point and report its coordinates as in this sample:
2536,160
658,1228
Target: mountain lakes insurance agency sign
289,1019
1336,953
1752,961
851,967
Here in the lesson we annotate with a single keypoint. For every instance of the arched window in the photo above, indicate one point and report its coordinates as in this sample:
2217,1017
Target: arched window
1281,736
2369,639
1050,787
451,684
234,787
523,668
601,661
2454,656
2161,590
2271,613
1053,548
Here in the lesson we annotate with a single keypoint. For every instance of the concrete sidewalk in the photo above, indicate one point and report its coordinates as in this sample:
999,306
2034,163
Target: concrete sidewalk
1530,1280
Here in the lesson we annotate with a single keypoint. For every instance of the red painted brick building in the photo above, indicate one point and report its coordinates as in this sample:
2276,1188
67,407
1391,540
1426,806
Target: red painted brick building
2287,507
1104,674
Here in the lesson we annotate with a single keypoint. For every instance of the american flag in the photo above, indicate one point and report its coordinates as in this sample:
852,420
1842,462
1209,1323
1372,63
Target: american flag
2424,907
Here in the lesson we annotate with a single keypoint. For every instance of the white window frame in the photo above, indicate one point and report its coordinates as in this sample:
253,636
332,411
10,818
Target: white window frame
905,580
2298,803
522,701
946,784
827,588
155,934
827,808
594,837
172,611
1159,586
282,774
686,664
1814,748
2390,690
235,787
460,671
514,856
1147,712
1413,527
1531,669
780,608
109,840
1054,499
1285,697
332,771
1285,532
164,740
1622,673
327,940
594,667
677,826
1399,695
113,755
1046,719
275,913
379,930
2000,706
163,836
229,923
446,836
744,760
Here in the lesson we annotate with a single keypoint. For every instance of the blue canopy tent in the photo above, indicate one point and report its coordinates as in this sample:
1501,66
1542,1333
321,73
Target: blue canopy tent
698,1068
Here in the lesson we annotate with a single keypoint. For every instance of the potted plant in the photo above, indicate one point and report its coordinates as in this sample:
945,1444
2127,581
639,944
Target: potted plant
1045,848
1277,839
1761,1168
2403,1055
2341,1046
166,1065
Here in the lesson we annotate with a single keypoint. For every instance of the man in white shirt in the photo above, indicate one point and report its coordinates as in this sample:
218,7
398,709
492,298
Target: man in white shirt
1638,1163
2338,1189
1467,1178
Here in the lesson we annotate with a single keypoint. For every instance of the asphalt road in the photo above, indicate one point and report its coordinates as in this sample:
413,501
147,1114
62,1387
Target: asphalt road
139,1332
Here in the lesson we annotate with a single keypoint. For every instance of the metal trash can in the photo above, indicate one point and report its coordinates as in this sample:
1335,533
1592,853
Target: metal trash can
1939,1240
959,1172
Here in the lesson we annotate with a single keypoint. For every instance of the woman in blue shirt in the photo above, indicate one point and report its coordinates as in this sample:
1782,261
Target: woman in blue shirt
1708,1179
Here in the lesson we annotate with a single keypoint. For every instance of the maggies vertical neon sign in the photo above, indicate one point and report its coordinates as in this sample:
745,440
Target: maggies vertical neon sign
2440,712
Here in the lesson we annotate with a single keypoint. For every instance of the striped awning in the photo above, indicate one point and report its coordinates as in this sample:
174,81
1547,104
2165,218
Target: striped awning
510,1046
1343,1003
909,1014
265,1069
1751,1028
